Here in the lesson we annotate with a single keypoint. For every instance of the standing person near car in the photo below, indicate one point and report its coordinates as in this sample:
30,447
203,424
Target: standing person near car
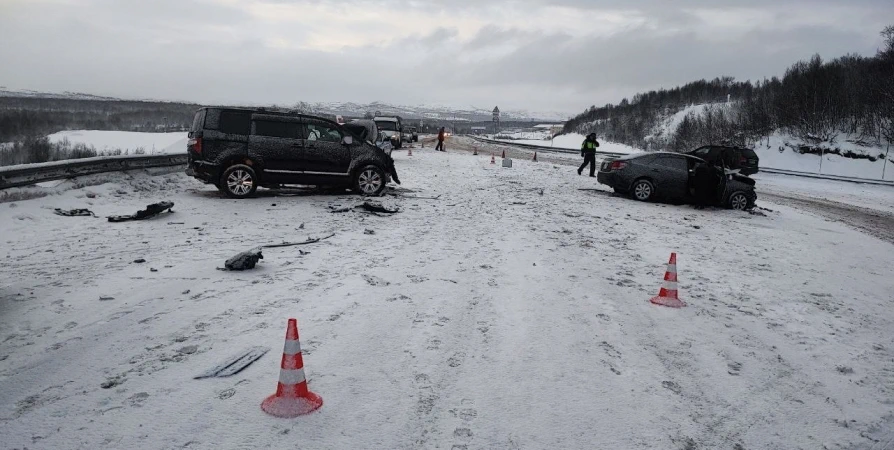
440,145
706,181
588,151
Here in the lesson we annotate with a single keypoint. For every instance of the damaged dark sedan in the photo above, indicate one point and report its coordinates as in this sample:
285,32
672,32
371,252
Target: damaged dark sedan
669,177
239,150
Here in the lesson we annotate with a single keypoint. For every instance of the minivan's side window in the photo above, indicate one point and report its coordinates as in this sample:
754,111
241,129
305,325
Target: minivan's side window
288,130
321,131
702,152
235,122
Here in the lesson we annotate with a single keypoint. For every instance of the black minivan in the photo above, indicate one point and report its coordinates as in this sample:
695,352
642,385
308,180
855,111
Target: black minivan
743,159
241,149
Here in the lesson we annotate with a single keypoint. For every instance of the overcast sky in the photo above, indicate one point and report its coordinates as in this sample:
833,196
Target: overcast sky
540,55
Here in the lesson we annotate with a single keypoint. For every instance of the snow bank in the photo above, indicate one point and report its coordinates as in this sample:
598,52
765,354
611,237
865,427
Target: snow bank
830,164
104,141
511,312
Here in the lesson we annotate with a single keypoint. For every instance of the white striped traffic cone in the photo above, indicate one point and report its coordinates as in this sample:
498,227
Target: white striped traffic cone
409,151
292,398
668,294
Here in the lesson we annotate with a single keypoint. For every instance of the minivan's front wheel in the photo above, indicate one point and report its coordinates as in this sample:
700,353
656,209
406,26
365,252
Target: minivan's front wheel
643,190
370,180
738,201
239,181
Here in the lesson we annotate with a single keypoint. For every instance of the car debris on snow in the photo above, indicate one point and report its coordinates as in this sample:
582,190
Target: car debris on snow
234,364
372,207
245,260
290,244
148,213
74,212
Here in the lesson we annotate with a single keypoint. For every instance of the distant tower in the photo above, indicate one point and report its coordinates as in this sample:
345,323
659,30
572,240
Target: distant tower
496,120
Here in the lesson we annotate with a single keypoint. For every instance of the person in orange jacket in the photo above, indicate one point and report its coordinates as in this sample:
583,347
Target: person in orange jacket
440,145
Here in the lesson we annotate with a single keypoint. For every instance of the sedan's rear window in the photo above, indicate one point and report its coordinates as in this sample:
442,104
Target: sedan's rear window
675,162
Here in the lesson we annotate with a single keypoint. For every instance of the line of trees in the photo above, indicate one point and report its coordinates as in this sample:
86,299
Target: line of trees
22,118
815,100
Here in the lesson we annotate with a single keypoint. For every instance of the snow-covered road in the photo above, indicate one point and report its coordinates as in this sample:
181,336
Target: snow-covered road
511,312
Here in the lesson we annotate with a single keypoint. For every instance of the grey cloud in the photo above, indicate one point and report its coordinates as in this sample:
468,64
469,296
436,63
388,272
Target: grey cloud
200,51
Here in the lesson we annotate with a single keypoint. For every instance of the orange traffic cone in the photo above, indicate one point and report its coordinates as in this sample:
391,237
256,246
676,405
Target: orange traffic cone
504,154
475,150
667,296
535,157
409,151
492,160
292,398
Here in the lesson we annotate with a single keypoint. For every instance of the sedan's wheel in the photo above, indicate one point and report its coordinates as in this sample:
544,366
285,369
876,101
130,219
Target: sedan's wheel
642,190
369,180
239,181
738,201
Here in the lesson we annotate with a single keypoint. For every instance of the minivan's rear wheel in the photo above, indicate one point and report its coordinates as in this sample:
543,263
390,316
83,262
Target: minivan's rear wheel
370,180
643,190
239,181
738,201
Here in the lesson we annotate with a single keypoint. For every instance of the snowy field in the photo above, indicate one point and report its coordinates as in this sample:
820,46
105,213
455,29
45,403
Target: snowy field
511,312
863,195
105,141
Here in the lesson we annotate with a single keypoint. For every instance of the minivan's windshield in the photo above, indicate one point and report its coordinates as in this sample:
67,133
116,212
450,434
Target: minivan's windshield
386,125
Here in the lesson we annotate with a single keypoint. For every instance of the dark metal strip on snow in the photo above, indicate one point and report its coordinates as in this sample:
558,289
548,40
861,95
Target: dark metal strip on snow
542,148
15,176
235,364
826,177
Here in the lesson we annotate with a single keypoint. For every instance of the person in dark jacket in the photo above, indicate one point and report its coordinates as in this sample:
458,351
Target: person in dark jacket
706,181
588,151
440,145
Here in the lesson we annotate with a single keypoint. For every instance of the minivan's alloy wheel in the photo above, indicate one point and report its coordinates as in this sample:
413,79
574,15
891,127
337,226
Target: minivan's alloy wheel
738,201
370,181
239,181
642,190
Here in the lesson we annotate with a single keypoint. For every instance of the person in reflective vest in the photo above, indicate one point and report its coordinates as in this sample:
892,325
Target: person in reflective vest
588,151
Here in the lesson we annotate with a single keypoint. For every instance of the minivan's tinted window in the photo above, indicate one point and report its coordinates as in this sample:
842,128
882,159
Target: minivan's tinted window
234,122
748,153
198,121
278,129
321,131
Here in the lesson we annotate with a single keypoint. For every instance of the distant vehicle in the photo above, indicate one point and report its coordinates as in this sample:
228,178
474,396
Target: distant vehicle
668,176
239,150
743,159
368,131
414,134
392,127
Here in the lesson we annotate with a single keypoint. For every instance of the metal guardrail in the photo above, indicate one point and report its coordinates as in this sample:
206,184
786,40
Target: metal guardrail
542,148
822,176
762,169
14,176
